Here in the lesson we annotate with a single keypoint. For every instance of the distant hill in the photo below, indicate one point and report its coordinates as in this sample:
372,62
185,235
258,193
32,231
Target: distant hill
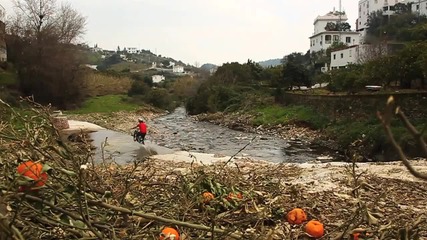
208,66
271,62
146,57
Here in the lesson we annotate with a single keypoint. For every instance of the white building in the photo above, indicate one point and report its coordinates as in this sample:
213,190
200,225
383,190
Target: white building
132,50
418,6
366,7
96,48
358,54
341,58
323,39
178,69
157,78
3,49
2,13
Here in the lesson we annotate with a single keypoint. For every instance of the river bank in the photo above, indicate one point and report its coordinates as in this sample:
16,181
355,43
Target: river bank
375,199
297,131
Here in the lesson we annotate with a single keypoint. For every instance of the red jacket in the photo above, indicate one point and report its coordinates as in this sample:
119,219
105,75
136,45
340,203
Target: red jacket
142,127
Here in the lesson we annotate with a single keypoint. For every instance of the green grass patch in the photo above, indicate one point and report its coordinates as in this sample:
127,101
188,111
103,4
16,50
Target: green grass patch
107,104
346,132
123,66
273,115
8,79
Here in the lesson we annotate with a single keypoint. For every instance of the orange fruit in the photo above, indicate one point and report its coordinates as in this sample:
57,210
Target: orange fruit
207,197
169,233
296,216
234,196
33,171
315,229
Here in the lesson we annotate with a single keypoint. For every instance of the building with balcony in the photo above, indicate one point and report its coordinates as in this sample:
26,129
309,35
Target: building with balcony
323,38
366,7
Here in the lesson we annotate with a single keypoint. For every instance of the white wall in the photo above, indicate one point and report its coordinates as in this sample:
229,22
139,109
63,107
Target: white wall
178,69
343,57
321,21
319,42
366,7
2,13
157,78
357,54
419,7
131,50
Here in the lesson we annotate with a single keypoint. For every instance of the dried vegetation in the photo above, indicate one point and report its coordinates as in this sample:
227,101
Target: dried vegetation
84,200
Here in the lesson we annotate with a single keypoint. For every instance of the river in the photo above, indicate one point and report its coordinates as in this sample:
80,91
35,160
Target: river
176,132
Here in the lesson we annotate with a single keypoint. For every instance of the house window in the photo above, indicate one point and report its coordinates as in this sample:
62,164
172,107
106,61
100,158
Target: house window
342,55
350,53
418,7
335,56
391,8
385,8
336,38
348,39
328,39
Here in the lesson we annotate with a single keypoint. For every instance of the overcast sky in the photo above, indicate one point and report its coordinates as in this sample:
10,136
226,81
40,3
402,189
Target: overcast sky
205,31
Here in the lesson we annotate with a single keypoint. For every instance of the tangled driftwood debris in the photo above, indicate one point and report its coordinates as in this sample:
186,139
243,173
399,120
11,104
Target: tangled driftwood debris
109,201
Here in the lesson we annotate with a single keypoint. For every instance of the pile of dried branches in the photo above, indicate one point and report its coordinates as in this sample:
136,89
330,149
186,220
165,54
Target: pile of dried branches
84,200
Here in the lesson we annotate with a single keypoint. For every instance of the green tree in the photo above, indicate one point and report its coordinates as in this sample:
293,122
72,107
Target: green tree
340,26
343,27
400,8
331,26
159,97
294,75
139,88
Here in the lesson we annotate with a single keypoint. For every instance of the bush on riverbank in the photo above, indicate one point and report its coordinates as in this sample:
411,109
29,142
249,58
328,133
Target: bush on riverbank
298,115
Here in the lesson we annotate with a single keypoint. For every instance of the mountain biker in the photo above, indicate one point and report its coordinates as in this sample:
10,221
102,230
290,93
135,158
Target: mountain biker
142,127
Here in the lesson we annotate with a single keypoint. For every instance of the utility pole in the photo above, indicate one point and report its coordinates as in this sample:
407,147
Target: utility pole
339,21
419,10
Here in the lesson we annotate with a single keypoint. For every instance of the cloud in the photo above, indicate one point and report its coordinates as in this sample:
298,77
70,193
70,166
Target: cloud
214,31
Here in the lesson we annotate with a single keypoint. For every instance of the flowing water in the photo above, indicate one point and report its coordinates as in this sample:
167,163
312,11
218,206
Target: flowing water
179,132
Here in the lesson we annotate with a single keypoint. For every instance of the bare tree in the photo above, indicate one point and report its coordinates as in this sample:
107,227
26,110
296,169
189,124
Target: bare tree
41,43
370,52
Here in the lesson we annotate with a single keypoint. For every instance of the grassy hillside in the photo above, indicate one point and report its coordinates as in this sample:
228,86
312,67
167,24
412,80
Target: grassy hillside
98,84
107,104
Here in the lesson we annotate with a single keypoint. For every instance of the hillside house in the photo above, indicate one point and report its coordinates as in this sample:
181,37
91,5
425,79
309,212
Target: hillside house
359,54
322,39
96,49
157,78
132,50
178,69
